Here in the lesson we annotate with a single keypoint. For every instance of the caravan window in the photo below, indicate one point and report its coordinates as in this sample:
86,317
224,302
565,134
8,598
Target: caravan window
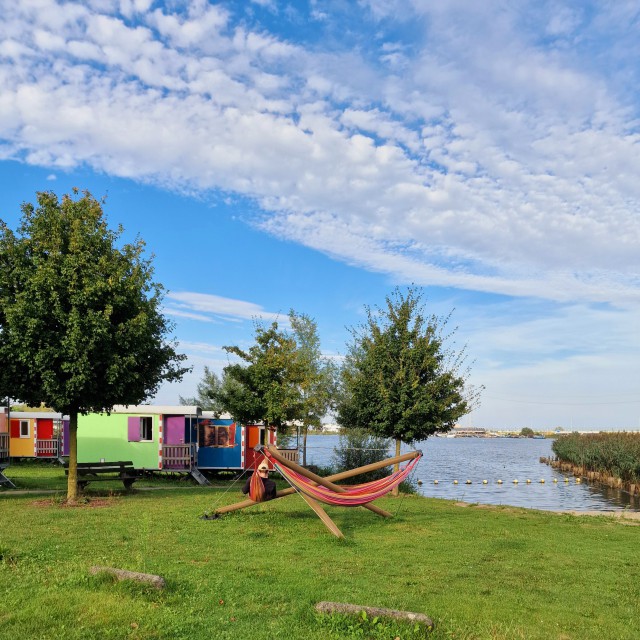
146,428
211,435
24,428
140,428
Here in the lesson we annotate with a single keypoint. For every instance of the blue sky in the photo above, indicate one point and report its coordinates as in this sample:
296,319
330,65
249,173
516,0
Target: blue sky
315,154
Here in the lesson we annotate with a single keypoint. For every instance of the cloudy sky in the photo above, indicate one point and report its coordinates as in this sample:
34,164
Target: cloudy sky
315,154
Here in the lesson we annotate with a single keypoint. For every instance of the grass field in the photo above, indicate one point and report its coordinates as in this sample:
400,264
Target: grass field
478,572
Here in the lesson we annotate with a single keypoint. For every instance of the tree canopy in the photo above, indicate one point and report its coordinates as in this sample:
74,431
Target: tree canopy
81,327
282,380
265,385
399,379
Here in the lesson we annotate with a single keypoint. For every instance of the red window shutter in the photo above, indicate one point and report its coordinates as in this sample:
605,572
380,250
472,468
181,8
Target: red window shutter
15,428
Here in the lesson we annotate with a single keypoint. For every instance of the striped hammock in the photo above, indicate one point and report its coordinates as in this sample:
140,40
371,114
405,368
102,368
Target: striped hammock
352,496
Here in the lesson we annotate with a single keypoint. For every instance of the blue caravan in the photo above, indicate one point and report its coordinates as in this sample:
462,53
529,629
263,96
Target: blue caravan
225,444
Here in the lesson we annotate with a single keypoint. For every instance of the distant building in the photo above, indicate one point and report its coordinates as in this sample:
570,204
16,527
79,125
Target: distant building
469,432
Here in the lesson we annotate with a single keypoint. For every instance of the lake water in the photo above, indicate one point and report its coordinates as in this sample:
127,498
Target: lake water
493,459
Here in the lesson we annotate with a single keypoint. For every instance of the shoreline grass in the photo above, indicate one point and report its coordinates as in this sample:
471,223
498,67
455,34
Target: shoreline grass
614,454
479,572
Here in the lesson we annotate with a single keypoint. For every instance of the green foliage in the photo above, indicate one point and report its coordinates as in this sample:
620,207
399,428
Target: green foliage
318,374
267,380
210,392
281,380
81,322
319,377
357,448
527,432
399,379
617,454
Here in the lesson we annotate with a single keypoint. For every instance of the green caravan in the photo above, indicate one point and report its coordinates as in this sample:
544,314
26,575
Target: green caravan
170,438
155,438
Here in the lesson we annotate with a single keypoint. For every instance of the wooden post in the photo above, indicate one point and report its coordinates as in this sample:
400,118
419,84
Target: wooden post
250,503
322,514
72,480
396,467
123,574
355,609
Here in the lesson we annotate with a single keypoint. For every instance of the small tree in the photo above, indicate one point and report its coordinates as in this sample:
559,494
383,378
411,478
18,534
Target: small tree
80,322
282,380
264,387
318,376
399,380
358,448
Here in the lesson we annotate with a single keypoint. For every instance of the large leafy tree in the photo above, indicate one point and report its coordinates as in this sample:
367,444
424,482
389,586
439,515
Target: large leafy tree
81,327
399,379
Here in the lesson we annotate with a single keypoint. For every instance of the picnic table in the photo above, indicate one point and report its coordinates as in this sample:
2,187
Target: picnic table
104,471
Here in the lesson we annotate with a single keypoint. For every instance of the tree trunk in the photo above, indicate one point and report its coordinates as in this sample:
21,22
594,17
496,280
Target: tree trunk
72,481
396,467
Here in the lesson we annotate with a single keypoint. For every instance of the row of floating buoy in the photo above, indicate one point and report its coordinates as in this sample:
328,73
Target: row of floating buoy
515,481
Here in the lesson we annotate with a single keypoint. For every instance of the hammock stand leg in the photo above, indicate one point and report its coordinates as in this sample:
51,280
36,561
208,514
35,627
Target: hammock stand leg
322,514
338,476
250,503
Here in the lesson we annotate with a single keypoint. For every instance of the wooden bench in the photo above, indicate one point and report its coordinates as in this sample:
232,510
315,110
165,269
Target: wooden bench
104,471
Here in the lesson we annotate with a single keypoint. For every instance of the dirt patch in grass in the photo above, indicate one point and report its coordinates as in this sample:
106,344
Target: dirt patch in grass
93,503
632,517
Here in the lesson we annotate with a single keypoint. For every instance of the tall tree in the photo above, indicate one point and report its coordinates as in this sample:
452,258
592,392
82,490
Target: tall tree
318,376
264,386
399,379
81,327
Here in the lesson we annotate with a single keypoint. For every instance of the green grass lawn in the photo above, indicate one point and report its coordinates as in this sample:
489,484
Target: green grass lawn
477,572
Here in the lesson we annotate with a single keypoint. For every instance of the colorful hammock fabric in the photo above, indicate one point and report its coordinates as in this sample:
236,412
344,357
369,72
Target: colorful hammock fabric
352,496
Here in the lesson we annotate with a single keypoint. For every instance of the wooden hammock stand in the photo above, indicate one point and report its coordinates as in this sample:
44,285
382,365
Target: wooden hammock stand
328,482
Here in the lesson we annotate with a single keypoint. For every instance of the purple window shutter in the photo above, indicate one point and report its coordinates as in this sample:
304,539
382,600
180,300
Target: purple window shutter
134,428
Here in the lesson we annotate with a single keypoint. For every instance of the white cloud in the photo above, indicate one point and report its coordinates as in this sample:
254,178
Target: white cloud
218,306
188,315
487,161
